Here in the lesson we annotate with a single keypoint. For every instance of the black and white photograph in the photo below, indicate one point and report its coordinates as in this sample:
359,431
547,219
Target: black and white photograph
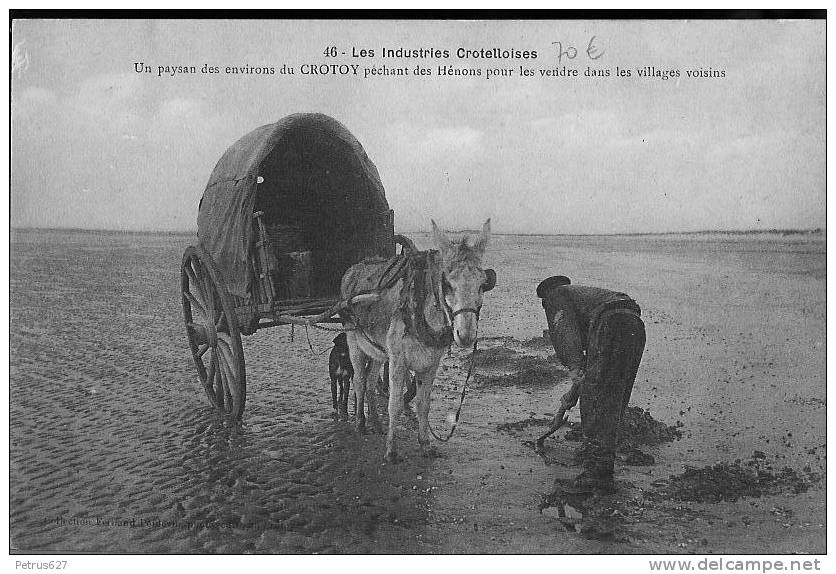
437,285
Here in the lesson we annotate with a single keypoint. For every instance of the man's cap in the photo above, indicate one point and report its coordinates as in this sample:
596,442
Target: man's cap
547,285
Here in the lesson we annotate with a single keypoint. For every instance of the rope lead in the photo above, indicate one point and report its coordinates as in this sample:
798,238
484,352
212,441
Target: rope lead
461,400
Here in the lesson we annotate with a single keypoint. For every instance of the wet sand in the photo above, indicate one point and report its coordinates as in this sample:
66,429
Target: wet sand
114,447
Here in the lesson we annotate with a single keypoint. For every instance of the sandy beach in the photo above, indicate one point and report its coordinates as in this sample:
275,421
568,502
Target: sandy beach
114,447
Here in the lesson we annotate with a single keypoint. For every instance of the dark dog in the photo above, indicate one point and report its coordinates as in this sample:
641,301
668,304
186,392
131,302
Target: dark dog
340,371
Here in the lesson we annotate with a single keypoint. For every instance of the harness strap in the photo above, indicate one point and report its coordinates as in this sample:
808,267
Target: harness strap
465,310
417,288
372,342
394,272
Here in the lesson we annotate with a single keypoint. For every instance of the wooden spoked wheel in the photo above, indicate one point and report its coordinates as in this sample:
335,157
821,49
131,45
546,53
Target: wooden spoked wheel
212,330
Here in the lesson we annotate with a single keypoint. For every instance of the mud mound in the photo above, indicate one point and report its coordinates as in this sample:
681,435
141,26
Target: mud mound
495,357
635,457
530,372
726,481
537,344
637,428
523,424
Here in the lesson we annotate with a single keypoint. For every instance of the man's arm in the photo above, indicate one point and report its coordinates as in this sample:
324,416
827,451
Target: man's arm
566,338
564,331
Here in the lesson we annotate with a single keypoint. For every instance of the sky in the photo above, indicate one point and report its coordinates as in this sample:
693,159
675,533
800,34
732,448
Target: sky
97,145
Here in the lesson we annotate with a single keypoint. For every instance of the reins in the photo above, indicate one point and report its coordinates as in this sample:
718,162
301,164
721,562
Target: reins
453,315
461,399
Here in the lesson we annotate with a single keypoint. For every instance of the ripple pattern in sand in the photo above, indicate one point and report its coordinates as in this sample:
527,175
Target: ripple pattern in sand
114,447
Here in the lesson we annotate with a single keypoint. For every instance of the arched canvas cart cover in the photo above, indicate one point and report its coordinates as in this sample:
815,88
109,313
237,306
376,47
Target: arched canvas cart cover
307,173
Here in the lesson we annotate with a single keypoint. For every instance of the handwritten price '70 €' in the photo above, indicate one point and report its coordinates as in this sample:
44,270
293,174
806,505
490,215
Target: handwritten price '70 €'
593,50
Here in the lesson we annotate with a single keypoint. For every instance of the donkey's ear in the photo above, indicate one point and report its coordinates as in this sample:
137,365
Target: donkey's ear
481,242
440,239
490,280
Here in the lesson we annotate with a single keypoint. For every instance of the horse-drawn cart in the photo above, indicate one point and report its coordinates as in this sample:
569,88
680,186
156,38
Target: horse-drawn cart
287,210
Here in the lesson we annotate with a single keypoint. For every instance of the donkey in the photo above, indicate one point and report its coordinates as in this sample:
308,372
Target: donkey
428,299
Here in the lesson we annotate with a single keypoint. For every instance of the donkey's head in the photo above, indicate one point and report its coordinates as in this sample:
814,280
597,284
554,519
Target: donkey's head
463,281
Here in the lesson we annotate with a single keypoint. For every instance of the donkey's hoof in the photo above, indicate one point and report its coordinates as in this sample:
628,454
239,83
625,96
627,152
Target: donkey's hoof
392,457
360,426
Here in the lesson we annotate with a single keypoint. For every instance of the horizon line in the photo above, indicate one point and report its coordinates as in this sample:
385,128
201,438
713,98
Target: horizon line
773,230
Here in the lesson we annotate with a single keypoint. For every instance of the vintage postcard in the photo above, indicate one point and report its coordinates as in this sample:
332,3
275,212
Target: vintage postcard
419,286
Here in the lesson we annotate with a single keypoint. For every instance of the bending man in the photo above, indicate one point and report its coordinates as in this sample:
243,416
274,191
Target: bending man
599,336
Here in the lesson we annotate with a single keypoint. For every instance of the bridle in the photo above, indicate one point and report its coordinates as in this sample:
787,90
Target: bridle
489,284
490,281
449,312
426,276
453,314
